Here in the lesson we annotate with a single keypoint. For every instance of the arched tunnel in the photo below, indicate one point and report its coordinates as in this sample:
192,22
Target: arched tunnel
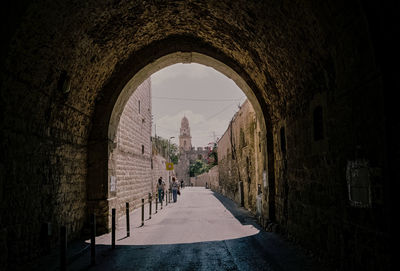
65,65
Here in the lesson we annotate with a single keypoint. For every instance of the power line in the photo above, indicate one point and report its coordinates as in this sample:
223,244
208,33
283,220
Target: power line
198,99
167,129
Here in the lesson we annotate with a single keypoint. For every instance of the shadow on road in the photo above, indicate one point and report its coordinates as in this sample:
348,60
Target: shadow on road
260,251
245,253
242,215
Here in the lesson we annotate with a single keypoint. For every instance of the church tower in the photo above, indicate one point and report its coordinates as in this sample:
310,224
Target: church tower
185,140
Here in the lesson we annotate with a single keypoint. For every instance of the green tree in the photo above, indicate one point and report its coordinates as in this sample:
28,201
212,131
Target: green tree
213,156
197,168
174,153
161,146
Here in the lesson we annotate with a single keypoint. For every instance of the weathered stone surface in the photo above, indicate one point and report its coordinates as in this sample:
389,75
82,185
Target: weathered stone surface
209,179
133,162
64,64
240,159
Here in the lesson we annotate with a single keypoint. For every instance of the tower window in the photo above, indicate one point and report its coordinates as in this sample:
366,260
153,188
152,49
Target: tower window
318,124
139,106
142,149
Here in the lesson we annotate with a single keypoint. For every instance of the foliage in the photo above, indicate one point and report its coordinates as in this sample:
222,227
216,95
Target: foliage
197,168
200,166
213,156
160,145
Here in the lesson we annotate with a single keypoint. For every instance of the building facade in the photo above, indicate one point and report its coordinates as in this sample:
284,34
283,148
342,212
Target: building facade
240,160
187,153
134,165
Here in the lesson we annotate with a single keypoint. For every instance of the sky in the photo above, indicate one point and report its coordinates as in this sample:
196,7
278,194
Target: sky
205,96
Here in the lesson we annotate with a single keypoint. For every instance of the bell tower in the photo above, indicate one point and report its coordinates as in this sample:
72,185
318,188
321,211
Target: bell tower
185,140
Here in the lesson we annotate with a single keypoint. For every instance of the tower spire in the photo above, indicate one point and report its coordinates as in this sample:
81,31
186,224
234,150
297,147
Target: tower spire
185,140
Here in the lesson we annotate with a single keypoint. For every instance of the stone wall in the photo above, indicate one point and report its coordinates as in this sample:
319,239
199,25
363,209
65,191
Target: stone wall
64,65
211,178
240,159
133,162
188,157
159,170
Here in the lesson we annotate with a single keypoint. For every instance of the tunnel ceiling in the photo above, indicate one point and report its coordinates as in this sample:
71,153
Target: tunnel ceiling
279,45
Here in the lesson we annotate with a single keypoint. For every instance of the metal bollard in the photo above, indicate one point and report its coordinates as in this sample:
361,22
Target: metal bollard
161,202
113,228
92,239
63,248
127,220
166,198
142,212
156,202
150,200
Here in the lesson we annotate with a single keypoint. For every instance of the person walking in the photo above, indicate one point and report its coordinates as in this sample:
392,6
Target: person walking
160,188
175,189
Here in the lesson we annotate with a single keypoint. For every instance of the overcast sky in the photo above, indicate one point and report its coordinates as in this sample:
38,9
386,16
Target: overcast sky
205,96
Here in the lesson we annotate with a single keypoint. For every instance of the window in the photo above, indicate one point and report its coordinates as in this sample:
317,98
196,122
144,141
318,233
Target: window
283,140
318,124
139,106
142,149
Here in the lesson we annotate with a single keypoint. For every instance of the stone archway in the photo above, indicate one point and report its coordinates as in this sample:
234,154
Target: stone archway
65,63
133,73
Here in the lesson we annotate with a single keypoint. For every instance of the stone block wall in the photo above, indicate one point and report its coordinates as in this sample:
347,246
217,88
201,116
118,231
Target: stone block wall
64,65
240,172
211,178
132,162
159,170
312,196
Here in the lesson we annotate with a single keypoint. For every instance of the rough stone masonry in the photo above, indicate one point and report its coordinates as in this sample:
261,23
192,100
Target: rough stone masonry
316,70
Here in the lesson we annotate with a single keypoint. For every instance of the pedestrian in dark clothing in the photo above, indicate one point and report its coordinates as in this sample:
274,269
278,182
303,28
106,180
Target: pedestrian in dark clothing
160,189
175,189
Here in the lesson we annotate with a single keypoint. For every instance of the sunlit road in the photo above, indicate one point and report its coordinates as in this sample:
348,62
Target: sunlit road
202,231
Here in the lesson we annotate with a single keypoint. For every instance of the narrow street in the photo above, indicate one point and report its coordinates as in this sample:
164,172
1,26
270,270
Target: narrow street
202,231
